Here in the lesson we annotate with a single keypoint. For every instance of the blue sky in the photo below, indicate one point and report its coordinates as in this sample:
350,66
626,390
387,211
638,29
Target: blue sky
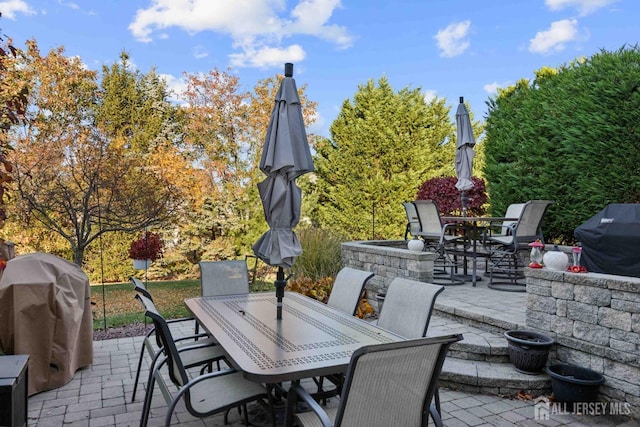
447,48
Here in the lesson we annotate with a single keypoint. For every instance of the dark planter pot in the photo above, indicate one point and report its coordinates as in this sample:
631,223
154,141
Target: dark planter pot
572,384
528,351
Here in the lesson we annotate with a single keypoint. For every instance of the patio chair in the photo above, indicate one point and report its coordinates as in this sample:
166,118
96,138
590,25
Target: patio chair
504,228
514,210
407,310
386,385
413,223
347,289
408,306
345,296
224,277
228,277
198,349
437,238
204,394
505,261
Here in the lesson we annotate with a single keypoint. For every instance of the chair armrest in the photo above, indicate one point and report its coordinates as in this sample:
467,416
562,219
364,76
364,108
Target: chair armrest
296,391
181,319
446,227
196,345
488,231
191,337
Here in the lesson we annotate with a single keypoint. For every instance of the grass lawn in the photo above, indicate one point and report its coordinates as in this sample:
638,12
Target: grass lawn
122,308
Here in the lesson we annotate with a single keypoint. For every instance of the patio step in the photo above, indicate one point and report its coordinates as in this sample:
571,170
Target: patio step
480,362
485,309
491,378
478,344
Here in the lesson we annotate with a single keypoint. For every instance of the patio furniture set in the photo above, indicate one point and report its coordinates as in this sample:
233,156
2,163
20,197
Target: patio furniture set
500,241
248,354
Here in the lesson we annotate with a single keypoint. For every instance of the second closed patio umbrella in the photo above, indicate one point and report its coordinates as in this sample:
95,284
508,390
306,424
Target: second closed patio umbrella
285,157
465,141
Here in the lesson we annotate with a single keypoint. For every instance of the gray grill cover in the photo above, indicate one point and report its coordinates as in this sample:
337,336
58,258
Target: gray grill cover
610,240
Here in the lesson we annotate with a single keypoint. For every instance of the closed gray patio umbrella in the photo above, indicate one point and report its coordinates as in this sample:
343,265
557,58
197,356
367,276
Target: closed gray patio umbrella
285,156
465,142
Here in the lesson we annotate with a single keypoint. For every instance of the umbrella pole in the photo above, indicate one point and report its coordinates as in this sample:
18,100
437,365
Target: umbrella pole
463,201
280,282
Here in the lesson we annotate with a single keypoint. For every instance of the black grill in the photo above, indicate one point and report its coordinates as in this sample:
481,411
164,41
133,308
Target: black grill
611,240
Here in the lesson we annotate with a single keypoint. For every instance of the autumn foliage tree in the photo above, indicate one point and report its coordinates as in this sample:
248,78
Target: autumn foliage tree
226,128
13,103
71,177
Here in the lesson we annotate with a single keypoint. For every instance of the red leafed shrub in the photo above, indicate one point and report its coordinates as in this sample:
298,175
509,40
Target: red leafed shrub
147,247
444,192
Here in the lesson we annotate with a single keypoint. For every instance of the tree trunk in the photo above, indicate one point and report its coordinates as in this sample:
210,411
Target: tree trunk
78,256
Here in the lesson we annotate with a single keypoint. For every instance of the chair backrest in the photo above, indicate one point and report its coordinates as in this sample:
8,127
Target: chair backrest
429,218
528,227
347,289
224,277
176,369
392,384
408,306
138,286
514,210
413,223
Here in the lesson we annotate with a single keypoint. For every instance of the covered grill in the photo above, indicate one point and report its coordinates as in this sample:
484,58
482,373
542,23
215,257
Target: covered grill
610,240
45,312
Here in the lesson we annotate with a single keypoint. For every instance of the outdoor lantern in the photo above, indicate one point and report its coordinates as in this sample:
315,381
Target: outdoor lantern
536,254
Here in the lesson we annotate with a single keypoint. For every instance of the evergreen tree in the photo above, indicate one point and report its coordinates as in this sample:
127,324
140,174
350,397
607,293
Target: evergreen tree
384,145
135,108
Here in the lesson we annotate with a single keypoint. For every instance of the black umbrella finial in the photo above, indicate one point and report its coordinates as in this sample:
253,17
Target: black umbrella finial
462,100
288,69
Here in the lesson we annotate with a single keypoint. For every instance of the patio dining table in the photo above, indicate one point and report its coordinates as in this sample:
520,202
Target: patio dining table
311,340
471,227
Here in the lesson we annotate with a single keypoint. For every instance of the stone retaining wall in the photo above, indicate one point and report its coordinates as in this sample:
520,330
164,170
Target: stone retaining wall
595,319
387,259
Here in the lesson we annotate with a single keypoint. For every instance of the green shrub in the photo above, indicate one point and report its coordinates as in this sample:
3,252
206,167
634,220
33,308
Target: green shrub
570,136
321,256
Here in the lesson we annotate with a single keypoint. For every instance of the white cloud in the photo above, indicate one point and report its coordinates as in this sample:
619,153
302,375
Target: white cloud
311,17
584,7
10,8
492,88
319,126
555,37
257,27
69,4
200,52
429,95
452,41
177,86
264,57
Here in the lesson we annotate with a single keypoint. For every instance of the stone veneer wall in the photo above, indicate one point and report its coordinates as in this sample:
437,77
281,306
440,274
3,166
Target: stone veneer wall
595,319
387,259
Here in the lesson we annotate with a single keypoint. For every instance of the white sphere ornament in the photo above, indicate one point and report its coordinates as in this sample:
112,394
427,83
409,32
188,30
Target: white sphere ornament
415,245
555,259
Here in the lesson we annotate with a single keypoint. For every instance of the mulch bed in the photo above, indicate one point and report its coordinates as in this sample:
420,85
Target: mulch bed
134,330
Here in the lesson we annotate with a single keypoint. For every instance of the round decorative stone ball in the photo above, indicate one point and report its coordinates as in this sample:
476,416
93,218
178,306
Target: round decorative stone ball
555,259
415,245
